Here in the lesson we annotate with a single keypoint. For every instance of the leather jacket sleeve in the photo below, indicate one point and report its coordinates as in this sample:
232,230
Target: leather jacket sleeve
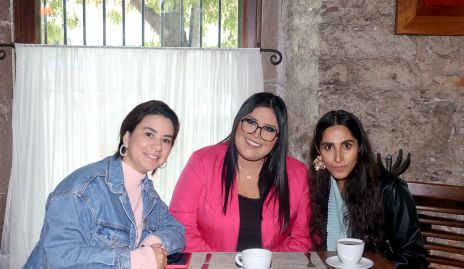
404,243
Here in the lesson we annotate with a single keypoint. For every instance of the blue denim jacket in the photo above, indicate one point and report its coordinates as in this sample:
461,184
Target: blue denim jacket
89,221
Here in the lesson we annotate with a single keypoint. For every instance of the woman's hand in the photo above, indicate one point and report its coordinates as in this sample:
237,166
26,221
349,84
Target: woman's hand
160,255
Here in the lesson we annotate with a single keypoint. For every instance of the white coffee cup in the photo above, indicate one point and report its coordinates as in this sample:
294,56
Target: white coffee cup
350,250
254,258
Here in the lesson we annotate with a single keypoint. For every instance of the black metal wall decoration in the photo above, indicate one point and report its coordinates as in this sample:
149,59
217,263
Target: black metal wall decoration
3,52
276,58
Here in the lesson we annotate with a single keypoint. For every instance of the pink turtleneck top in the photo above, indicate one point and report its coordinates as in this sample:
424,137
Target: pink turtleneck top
142,257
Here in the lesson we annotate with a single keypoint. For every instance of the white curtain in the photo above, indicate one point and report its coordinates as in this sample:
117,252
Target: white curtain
69,103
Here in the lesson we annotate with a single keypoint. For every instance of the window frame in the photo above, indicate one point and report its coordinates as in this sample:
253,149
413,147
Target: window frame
26,21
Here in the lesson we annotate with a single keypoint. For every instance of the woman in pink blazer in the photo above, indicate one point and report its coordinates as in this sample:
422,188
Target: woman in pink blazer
246,192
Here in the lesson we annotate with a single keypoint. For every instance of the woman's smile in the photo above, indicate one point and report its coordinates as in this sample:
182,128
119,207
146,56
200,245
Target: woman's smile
252,143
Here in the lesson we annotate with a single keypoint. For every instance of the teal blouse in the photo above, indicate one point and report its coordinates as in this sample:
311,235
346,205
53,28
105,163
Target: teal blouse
336,209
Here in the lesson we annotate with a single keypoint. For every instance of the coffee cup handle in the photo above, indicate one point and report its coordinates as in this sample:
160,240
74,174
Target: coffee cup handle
238,259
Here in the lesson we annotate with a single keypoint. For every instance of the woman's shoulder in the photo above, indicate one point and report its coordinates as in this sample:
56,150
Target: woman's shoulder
212,152
295,164
393,186
296,171
80,179
389,180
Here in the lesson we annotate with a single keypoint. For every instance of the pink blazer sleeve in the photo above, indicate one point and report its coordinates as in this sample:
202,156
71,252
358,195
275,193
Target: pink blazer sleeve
185,203
299,234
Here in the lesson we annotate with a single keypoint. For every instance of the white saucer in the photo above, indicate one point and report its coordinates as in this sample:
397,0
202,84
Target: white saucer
242,268
335,262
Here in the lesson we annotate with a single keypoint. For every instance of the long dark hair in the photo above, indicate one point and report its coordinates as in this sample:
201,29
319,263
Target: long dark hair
136,115
273,175
364,214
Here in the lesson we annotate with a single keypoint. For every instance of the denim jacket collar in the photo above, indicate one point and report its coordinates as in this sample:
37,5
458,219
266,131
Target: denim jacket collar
115,180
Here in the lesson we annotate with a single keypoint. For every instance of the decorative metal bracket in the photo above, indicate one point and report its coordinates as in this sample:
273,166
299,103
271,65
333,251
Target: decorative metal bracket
2,51
276,58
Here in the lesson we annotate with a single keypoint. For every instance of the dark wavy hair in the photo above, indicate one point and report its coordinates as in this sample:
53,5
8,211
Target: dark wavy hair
273,178
364,214
136,115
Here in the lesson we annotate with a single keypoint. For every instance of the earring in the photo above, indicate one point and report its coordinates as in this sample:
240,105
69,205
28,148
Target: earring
123,150
163,165
318,164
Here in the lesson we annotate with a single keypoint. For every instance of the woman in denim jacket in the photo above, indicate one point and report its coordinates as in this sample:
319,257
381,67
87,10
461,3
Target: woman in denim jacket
107,214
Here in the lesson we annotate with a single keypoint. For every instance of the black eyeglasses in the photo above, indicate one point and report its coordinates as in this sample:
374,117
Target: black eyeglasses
267,133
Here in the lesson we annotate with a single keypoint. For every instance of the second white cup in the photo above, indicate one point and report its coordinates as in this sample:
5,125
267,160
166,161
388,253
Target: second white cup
350,250
254,258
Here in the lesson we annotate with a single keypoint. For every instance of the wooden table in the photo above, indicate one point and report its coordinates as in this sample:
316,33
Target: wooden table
282,260
380,262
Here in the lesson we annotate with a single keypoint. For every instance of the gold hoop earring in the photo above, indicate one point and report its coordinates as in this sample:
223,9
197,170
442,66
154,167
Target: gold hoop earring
318,164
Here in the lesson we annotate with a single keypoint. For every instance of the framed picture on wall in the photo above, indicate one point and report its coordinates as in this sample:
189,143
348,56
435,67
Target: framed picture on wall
430,17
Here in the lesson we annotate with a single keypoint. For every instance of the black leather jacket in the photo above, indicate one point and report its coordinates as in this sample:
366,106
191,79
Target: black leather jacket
404,244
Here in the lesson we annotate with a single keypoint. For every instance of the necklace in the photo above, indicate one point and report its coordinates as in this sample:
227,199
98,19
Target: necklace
248,184
253,168
247,176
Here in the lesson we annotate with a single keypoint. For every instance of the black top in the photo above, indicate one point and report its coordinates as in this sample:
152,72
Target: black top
249,234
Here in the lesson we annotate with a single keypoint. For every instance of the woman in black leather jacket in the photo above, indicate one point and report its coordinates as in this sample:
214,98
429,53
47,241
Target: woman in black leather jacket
352,196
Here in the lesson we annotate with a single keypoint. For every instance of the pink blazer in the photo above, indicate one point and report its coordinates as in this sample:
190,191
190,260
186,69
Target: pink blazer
197,204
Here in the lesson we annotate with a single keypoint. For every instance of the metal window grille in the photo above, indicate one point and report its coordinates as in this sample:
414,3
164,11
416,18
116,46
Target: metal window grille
56,11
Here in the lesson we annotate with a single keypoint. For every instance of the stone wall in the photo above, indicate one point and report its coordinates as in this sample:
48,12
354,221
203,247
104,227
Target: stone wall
6,97
407,90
